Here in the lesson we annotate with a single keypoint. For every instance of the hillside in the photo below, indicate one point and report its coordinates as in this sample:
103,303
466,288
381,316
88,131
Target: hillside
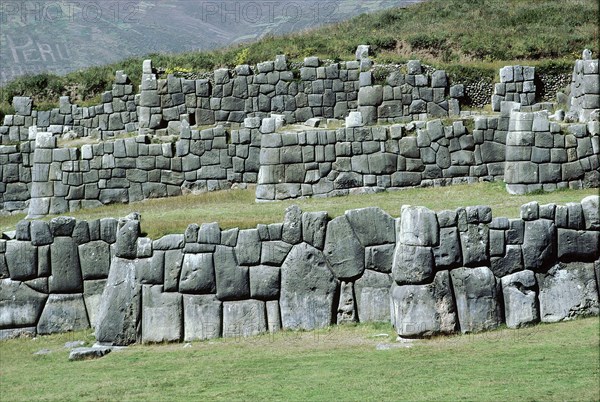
474,37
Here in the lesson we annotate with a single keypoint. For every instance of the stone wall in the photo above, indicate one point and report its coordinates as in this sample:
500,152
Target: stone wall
526,150
585,89
439,273
132,169
116,114
516,85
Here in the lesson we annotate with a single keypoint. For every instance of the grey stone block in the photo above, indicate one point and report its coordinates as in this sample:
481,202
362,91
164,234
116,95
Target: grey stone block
476,294
173,265
577,245
418,227
372,226
343,250
274,252
232,280
66,272
520,299
372,292
244,318
119,312
21,306
380,258
308,289
591,212
21,258
92,296
412,264
292,225
264,282
567,291
162,315
539,250
448,253
511,261
63,313
197,274
127,236
94,259
314,225
248,248
202,317
424,310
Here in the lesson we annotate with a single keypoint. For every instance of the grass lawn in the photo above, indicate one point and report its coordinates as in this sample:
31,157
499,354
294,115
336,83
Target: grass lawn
237,208
548,362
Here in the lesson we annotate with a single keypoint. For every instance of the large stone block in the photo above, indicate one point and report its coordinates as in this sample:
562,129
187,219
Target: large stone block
94,259
591,212
248,247
63,313
233,281
424,310
418,227
66,272
370,95
127,236
380,258
119,313
92,296
21,258
577,245
476,293
197,274
20,306
568,291
308,289
264,282
372,226
343,250
475,245
202,317
244,318
162,315
314,225
412,264
511,261
448,253
292,225
539,244
520,299
372,292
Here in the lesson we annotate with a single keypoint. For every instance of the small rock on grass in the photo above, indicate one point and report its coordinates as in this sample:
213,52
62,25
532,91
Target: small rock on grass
89,353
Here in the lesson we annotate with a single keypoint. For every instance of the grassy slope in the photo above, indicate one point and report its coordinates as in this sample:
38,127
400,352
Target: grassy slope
546,362
237,208
466,37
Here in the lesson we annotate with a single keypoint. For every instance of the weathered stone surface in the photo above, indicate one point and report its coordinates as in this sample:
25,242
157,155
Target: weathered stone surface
248,247
95,352
92,296
119,313
233,282
308,289
475,245
577,245
40,233
292,225
264,282
66,272
20,306
372,226
343,250
274,252
476,292
346,310
273,316
591,212
448,253
424,310
511,261
539,244
94,259
172,272
62,226
63,313
567,291
380,258
418,227
520,301
412,264
197,274
314,225
372,291
244,318
202,316
162,315
21,258
127,236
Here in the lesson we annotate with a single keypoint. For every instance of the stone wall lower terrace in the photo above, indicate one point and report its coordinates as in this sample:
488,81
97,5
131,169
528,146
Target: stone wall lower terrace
439,273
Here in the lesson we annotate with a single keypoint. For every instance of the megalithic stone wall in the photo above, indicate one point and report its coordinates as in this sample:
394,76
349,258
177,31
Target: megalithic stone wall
584,98
516,85
431,272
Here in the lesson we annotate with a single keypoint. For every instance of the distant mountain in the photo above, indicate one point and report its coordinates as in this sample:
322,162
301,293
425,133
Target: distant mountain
61,36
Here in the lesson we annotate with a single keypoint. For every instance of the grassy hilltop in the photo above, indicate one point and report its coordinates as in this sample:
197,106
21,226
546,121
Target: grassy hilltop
467,38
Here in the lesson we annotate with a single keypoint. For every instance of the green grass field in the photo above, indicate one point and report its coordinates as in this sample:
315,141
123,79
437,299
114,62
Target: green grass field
547,362
237,208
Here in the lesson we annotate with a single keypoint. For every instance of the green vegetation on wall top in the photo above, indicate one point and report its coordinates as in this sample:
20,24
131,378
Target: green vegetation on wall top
470,39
